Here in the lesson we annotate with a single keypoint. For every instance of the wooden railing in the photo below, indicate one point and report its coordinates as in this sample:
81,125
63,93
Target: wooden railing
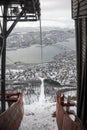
64,122
11,118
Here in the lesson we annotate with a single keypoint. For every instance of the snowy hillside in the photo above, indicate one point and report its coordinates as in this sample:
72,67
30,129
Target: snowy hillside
49,37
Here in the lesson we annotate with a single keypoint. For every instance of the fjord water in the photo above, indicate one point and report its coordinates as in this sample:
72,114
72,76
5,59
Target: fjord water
32,54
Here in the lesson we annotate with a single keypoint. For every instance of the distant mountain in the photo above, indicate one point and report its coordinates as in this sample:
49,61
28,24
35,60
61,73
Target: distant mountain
21,38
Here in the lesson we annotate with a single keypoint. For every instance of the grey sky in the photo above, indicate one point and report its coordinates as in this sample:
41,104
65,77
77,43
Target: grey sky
56,4
55,13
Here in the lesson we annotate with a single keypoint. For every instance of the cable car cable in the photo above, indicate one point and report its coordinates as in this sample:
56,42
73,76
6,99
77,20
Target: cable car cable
41,42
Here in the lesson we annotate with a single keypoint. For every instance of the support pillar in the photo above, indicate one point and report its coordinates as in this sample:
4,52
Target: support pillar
3,59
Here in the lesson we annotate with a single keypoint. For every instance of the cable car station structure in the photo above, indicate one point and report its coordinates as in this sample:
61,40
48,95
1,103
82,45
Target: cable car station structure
15,11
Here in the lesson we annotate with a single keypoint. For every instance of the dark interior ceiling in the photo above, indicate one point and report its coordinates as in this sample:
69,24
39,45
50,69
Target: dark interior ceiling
30,8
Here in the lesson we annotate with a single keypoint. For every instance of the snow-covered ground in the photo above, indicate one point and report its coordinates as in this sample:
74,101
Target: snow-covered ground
38,116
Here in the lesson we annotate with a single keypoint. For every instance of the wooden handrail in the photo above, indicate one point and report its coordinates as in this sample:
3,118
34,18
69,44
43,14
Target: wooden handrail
11,97
60,100
11,118
62,116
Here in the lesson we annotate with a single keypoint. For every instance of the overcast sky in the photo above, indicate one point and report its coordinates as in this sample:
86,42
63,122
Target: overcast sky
55,13
50,5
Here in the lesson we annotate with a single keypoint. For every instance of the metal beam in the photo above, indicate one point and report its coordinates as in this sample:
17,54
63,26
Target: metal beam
27,20
3,60
14,23
5,34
